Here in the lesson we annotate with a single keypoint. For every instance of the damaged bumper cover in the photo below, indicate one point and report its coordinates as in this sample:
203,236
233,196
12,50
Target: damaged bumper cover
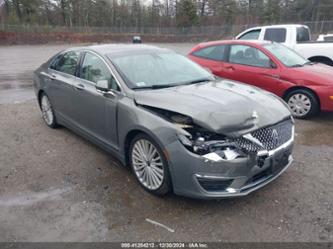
233,168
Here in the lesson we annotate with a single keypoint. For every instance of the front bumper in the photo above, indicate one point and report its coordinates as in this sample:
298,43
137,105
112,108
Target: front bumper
325,95
197,177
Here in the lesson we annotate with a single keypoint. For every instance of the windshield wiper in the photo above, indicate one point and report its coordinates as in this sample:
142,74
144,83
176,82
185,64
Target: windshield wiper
302,65
308,63
297,65
198,81
154,86
173,84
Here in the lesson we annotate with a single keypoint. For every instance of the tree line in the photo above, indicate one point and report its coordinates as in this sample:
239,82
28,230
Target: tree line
163,13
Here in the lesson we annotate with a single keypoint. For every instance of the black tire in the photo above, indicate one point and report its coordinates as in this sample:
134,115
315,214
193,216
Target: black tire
314,103
165,187
50,123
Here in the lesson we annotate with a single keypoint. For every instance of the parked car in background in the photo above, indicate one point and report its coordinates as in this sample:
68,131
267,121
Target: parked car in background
327,37
136,39
297,37
307,87
175,124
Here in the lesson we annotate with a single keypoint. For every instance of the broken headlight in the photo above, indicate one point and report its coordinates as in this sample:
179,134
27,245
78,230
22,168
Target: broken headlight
198,140
211,146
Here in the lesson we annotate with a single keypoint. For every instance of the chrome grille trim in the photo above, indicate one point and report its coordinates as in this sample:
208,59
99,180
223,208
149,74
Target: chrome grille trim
271,138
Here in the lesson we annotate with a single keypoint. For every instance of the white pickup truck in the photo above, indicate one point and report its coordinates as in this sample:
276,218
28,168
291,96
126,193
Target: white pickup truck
296,37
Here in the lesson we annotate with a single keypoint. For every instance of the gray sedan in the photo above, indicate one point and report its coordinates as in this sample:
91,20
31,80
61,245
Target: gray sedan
178,127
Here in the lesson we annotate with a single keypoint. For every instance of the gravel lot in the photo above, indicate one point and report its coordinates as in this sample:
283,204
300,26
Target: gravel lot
56,186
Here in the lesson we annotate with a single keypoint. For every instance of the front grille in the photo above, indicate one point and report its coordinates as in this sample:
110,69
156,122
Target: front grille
271,137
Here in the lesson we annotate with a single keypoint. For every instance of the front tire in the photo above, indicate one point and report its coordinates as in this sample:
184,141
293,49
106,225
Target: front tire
149,165
47,111
302,103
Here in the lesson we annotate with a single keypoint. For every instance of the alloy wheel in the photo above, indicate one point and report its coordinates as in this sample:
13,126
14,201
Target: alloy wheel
147,164
47,112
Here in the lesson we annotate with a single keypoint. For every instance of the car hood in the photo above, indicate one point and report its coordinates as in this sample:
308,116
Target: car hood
319,74
223,106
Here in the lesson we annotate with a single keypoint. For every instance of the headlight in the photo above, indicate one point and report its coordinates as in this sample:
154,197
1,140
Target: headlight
214,150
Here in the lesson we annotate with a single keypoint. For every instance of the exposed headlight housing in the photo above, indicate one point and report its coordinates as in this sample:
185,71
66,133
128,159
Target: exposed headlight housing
210,146
198,140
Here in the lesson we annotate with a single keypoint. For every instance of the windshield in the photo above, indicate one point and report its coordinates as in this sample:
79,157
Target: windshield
158,70
287,56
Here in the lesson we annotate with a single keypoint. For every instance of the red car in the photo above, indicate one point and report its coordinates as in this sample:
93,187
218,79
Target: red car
305,86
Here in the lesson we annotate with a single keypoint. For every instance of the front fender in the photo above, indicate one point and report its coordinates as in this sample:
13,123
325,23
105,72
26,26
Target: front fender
132,117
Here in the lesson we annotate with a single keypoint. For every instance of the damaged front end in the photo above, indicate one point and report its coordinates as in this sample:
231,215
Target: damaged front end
211,146
220,165
214,147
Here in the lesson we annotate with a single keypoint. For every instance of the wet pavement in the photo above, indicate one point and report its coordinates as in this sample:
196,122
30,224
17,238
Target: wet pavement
56,186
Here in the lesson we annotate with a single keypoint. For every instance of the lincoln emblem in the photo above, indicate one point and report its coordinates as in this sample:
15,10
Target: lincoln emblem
275,137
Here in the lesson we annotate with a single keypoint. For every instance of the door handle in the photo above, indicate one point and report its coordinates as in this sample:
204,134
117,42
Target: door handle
52,76
230,67
79,86
275,76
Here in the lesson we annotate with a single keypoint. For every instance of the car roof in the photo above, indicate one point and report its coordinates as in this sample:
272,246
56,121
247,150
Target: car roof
241,42
109,49
279,26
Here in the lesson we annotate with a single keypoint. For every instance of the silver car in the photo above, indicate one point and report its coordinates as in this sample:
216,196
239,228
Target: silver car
178,127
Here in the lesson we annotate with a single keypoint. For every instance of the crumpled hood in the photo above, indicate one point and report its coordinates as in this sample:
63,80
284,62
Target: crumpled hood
223,107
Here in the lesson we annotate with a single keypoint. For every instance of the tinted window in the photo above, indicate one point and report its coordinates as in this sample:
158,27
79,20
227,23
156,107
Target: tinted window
212,53
276,34
94,69
303,34
251,35
247,55
66,63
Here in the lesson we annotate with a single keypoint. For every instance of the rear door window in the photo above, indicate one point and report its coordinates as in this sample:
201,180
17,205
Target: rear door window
216,53
66,63
275,34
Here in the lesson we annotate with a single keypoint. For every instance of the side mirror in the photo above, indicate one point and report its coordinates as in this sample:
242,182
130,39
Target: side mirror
102,85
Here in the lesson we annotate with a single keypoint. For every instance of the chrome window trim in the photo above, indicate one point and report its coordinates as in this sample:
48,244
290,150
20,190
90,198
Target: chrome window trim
63,54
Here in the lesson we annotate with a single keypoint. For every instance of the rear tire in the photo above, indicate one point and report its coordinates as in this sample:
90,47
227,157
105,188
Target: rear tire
149,165
47,111
303,103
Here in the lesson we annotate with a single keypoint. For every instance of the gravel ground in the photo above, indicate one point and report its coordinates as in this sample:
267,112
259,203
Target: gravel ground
56,186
